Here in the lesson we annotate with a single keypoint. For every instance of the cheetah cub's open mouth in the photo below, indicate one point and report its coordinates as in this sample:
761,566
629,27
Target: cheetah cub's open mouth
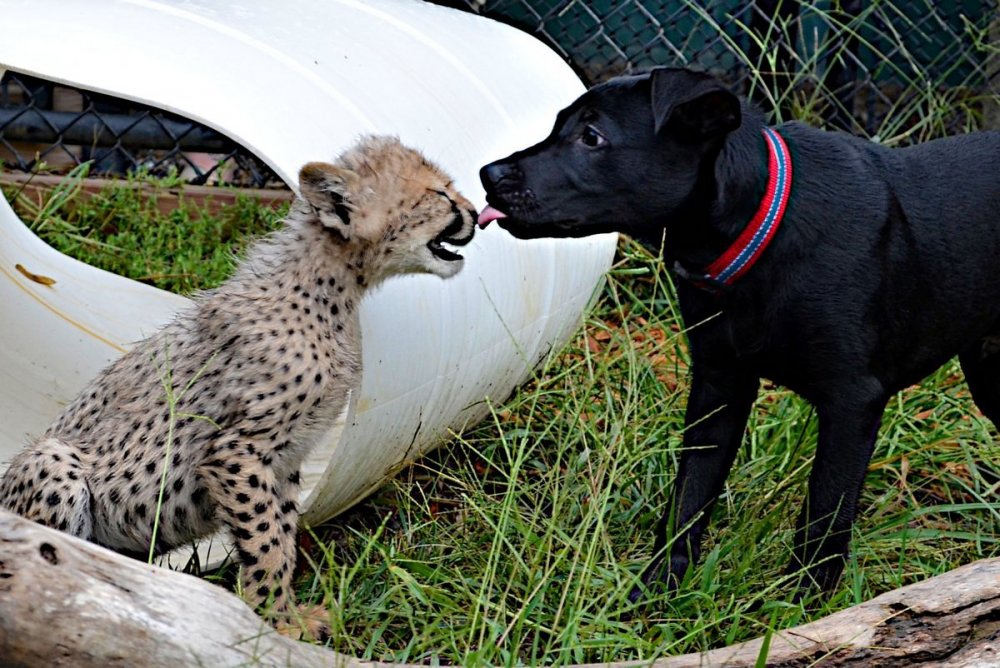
449,236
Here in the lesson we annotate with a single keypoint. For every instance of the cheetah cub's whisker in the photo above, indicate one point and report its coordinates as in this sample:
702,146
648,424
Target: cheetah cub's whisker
257,370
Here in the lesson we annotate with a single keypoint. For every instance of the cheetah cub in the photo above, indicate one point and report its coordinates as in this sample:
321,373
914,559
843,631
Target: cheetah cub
220,407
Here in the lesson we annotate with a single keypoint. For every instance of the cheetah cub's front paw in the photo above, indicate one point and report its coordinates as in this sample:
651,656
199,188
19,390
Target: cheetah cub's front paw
310,622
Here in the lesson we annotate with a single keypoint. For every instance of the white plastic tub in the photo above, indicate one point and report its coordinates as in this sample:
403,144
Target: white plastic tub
296,81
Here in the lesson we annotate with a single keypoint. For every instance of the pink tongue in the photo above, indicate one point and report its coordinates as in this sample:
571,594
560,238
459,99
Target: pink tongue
488,215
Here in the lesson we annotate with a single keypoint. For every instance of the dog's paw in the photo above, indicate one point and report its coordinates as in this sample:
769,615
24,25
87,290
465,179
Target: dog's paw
306,622
815,580
660,578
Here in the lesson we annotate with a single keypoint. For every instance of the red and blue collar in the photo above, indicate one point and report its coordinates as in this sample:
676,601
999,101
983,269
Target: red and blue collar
755,237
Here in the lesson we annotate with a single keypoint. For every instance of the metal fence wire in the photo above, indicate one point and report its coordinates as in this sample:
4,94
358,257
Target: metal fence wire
846,63
46,126
909,68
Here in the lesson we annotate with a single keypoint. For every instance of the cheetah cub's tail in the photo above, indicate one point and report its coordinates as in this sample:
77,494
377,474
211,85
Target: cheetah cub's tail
46,483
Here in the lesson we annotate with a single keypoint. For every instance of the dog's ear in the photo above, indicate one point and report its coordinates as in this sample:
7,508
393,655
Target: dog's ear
329,190
694,102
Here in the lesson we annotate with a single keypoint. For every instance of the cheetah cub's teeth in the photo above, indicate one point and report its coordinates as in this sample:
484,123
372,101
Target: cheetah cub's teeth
441,252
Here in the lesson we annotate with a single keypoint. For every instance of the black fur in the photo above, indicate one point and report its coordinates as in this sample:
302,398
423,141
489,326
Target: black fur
886,265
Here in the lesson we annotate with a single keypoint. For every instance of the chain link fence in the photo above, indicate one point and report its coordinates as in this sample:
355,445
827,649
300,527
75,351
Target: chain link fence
51,127
845,63
903,69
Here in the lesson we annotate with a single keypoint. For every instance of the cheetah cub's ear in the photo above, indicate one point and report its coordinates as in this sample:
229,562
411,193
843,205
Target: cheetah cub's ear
329,190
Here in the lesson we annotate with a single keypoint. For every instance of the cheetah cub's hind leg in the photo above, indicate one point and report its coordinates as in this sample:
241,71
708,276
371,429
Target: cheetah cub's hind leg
50,488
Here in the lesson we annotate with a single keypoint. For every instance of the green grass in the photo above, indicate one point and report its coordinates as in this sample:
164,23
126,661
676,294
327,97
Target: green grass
518,541
122,230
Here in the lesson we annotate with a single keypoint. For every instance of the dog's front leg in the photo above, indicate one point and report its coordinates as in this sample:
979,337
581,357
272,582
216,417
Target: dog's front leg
716,417
848,425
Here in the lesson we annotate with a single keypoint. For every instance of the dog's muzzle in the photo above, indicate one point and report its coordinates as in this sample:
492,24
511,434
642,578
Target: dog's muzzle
503,182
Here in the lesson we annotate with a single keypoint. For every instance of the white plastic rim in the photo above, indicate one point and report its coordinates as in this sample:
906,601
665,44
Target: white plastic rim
297,81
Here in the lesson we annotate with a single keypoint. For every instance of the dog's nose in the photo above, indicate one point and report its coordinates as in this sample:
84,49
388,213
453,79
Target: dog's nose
495,172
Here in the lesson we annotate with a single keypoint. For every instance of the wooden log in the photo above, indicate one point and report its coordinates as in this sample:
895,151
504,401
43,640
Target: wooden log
66,602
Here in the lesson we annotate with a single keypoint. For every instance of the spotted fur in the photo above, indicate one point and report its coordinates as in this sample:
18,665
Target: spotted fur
223,404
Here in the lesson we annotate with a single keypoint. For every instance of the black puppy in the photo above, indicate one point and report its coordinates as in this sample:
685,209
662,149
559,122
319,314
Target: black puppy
839,268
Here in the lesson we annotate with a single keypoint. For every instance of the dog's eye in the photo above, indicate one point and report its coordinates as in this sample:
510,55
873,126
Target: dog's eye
591,138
